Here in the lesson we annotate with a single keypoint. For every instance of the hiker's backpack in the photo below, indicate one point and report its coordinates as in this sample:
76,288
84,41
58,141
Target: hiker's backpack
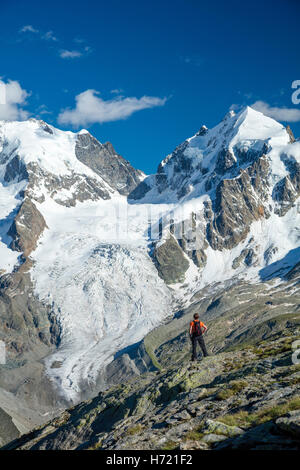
197,328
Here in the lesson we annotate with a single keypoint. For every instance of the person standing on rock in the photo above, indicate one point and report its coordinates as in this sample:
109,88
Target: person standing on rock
197,328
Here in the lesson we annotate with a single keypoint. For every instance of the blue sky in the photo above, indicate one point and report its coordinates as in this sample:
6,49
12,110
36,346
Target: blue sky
167,67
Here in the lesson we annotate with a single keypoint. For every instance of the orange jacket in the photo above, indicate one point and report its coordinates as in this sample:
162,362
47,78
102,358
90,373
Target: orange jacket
192,326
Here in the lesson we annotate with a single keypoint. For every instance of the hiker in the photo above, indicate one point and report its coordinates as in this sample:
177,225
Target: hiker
197,328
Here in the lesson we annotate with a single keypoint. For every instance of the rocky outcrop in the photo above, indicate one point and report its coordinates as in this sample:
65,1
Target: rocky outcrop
287,190
239,201
28,327
290,424
27,227
202,131
103,160
170,261
29,331
225,161
8,431
247,256
192,238
66,190
179,165
139,192
15,170
290,132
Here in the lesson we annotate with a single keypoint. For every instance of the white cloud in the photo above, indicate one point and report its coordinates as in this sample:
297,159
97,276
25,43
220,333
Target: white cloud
28,29
65,54
280,114
13,98
82,48
49,36
91,109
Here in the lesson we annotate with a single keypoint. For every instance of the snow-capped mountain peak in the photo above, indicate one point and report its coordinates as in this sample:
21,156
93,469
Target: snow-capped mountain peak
233,144
36,142
252,124
54,151
223,181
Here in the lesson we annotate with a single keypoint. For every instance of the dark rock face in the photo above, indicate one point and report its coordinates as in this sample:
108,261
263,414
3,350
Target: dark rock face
182,169
190,243
8,431
47,128
272,250
21,312
202,131
27,227
287,190
29,331
236,205
225,161
199,257
127,366
247,256
15,169
291,423
103,159
284,193
246,156
81,187
139,192
161,180
170,261
27,326
6,154
290,133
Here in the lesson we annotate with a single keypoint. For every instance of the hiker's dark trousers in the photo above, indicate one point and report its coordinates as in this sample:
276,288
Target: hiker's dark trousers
200,340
